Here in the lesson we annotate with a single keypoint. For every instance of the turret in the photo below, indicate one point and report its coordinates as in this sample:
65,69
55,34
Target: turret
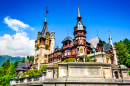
52,42
114,50
80,31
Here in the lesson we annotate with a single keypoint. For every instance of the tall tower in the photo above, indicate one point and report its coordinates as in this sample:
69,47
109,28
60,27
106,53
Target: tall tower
42,46
80,35
114,50
52,46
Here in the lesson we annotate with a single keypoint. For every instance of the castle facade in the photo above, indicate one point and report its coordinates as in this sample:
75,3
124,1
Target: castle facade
77,48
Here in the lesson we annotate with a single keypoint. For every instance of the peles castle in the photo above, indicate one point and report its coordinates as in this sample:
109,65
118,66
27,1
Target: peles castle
77,48
104,69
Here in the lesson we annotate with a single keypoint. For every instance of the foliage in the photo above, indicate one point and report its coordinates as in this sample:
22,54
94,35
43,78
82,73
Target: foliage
15,63
42,69
3,59
88,59
123,51
6,66
30,58
69,60
104,42
1,71
80,60
57,73
23,60
7,70
5,80
11,69
34,72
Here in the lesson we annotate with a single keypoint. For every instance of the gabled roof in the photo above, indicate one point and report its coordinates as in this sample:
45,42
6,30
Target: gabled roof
22,66
107,47
58,48
68,38
94,41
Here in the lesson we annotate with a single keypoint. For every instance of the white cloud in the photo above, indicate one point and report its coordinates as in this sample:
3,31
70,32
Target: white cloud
16,24
18,44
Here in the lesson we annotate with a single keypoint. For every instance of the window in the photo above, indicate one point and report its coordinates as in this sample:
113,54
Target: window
81,50
65,44
46,48
76,33
45,55
69,43
107,60
68,52
65,52
80,32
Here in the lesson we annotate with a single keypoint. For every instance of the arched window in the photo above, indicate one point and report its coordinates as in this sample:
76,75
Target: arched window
69,52
46,48
65,52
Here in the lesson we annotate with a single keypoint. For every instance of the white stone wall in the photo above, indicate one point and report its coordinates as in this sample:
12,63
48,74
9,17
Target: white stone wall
85,71
52,46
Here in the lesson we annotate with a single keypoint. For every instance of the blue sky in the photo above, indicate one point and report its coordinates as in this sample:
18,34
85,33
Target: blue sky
104,15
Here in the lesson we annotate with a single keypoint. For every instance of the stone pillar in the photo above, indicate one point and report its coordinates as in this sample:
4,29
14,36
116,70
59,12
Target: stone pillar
84,58
119,75
55,73
32,79
18,81
114,75
25,80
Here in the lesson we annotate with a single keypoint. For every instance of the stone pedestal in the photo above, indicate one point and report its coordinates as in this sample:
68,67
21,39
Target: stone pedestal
84,70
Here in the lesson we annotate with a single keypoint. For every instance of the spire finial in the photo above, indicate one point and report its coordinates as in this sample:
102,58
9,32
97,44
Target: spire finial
45,17
78,9
97,32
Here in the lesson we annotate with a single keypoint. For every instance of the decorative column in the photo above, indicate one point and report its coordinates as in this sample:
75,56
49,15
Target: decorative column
55,75
114,75
32,79
119,75
84,58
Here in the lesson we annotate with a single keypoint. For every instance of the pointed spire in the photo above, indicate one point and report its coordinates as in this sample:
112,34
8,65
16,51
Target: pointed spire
45,18
110,40
109,37
45,22
78,12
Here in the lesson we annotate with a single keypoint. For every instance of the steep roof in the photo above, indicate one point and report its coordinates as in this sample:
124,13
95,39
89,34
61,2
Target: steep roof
68,38
107,47
94,41
44,31
80,26
58,48
110,41
22,66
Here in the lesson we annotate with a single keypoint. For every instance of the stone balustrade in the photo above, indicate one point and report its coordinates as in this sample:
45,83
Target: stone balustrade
26,80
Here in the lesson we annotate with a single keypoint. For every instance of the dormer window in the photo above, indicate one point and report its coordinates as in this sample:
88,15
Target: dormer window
65,44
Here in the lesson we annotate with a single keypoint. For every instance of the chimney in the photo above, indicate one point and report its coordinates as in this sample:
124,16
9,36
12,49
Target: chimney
26,63
30,61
